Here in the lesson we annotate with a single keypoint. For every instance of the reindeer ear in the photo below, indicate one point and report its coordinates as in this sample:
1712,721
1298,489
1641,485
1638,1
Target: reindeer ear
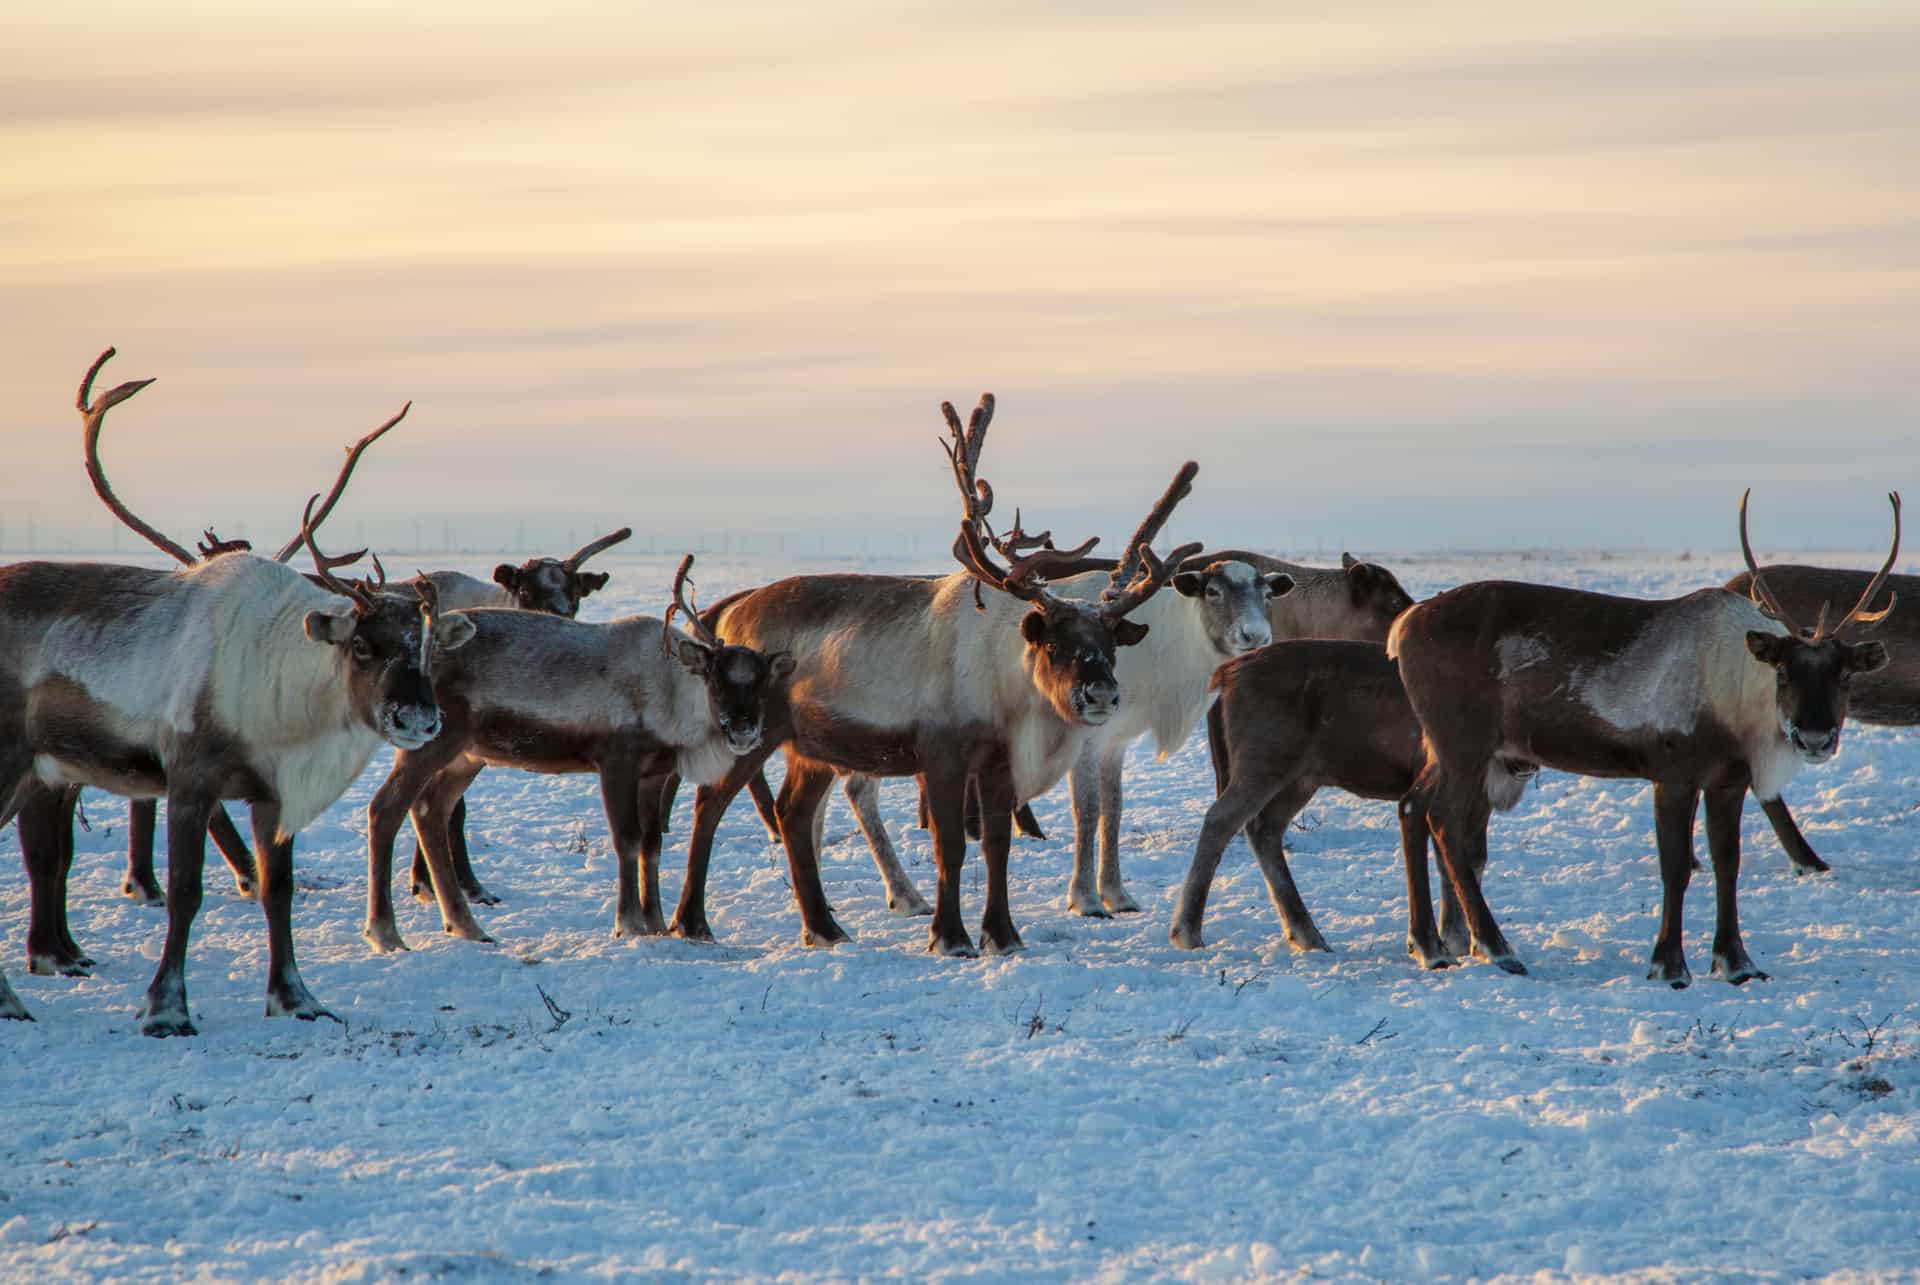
330,627
1863,658
1033,627
507,577
1348,562
452,631
1768,649
1279,583
695,656
1188,584
1128,632
590,581
781,665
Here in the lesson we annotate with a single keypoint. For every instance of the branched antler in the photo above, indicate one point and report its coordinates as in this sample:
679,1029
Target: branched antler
354,453
1141,573
683,604
323,565
1029,557
92,414
1764,598
573,560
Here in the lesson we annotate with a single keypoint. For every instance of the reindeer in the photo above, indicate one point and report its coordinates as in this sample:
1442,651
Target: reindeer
550,586
631,699
1296,718
142,814
1711,693
986,675
1889,697
232,679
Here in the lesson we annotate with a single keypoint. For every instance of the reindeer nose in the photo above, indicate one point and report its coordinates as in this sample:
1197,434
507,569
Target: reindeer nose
1816,743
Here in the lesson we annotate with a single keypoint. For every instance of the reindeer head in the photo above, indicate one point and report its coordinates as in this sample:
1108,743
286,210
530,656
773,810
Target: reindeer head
1232,599
556,585
389,642
1814,668
1070,645
1376,598
737,679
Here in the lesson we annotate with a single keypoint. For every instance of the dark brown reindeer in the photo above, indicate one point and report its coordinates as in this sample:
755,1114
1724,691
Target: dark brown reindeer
551,586
1887,697
982,676
631,700
1296,718
231,679
1711,693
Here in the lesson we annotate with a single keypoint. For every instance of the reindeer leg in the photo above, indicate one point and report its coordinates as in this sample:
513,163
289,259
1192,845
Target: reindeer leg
165,1011
1731,963
1459,813
1217,748
139,884
46,847
462,860
1799,852
944,776
652,828
1456,939
1423,941
620,790
997,802
287,995
924,820
1024,822
1674,808
709,805
863,795
763,804
1238,804
432,814
1083,781
801,798
411,771
669,791
1113,894
1267,834
233,850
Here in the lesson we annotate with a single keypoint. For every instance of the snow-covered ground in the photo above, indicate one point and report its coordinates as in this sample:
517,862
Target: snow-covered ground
1100,1106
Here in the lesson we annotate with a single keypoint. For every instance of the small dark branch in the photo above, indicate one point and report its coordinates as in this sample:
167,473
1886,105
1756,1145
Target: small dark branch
1179,1032
354,453
559,1015
1035,1022
1380,1030
1251,978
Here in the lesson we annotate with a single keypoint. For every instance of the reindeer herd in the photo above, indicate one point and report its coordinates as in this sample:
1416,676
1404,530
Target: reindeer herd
235,678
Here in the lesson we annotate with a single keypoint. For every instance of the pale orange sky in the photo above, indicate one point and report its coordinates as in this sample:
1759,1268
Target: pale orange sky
1408,277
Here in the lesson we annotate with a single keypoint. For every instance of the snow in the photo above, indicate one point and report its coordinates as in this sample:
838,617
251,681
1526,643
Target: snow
1101,1106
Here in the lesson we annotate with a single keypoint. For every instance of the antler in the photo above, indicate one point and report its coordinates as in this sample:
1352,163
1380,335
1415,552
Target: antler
1025,575
212,546
1141,573
1859,615
354,453
323,565
573,560
91,415
684,604
1757,585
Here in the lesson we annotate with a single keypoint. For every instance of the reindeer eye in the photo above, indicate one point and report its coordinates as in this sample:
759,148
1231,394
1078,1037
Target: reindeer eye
361,648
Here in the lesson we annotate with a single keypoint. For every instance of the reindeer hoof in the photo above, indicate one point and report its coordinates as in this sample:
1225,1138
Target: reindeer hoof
421,892
1432,957
1737,972
14,1011
1507,963
1308,939
828,934
297,1002
1002,942
384,938
908,906
479,896
135,891
469,932
45,965
643,928
953,947
244,889
1811,865
1674,973
1120,902
1186,937
691,929
162,1026
1086,903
